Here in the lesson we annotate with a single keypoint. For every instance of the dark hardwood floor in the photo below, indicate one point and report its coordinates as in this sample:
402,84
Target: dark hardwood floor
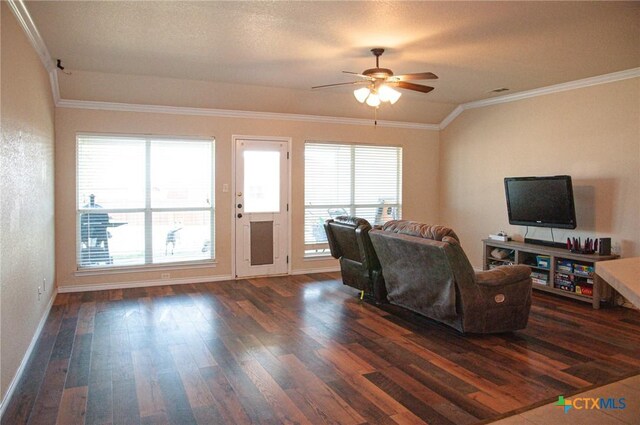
303,349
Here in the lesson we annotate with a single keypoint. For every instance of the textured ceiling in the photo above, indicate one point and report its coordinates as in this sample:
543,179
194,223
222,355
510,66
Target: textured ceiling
474,47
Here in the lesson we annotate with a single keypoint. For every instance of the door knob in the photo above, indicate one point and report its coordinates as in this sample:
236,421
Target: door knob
239,215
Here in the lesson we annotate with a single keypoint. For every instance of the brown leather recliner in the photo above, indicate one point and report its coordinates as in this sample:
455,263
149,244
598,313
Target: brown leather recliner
349,242
427,271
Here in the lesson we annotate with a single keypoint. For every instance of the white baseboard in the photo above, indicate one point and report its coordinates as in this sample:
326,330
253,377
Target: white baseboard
140,284
62,289
25,359
317,270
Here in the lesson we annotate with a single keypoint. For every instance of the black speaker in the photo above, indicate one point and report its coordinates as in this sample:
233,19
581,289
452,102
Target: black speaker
604,246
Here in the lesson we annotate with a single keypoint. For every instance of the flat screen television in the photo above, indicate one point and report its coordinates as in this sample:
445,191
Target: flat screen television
541,201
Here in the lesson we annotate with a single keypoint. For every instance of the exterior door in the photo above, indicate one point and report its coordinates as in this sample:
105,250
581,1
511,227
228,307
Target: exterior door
261,207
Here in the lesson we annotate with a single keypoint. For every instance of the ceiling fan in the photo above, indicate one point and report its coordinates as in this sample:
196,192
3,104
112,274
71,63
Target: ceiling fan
379,83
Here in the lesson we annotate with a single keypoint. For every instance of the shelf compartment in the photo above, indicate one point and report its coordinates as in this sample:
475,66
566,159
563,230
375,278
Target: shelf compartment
531,259
502,260
527,254
573,295
541,277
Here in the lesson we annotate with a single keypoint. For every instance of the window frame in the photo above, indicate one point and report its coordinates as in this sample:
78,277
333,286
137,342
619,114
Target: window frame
147,210
352,206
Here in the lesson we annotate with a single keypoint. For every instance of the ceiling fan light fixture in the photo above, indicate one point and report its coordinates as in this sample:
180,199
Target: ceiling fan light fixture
373,100
380,83
387,94
361,94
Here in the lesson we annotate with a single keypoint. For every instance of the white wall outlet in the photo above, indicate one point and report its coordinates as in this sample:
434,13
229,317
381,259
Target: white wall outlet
165,276
225,188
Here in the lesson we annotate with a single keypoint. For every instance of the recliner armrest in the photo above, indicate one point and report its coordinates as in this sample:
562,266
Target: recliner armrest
503,275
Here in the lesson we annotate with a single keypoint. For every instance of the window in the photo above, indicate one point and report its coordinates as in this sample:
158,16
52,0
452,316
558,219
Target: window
357,180
144,200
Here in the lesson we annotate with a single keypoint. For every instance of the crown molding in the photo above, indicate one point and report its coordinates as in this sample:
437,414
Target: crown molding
55,88
26,22
24,19
228,113
571,85
557,88
452,116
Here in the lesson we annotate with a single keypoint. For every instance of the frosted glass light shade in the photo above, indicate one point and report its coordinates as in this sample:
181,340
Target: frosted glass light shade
373,100
387,94
361,94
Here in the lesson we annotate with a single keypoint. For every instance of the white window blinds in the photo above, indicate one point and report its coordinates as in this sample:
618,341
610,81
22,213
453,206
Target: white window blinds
358,180
144,200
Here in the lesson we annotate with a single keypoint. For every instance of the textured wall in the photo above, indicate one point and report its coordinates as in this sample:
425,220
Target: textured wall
592,134
26,201
420,187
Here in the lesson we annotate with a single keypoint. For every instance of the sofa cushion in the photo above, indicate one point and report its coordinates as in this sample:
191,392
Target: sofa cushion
503,275
354,221
417,274
425,231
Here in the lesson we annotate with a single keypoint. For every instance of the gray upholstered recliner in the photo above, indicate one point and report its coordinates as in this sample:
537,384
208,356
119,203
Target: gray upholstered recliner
349,242
426,270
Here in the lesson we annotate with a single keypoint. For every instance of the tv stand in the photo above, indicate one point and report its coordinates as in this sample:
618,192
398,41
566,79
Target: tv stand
555,270
545,243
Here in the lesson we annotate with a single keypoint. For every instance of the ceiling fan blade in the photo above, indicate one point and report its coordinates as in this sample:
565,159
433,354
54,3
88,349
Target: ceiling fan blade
340,84
359,75
415,76
411,86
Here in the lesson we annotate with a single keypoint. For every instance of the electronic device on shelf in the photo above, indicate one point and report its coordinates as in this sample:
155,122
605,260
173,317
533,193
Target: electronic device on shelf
547,202
541,201
500,236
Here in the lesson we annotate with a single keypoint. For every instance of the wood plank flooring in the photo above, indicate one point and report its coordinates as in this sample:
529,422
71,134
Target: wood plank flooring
303,349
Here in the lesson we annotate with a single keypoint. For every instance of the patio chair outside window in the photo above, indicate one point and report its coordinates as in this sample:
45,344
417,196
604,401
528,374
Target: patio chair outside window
355,180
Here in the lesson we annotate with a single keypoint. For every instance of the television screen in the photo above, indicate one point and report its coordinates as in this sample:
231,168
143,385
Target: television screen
540,201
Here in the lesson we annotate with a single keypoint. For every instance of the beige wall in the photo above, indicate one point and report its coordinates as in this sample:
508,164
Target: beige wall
592,134
26,201
420,181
